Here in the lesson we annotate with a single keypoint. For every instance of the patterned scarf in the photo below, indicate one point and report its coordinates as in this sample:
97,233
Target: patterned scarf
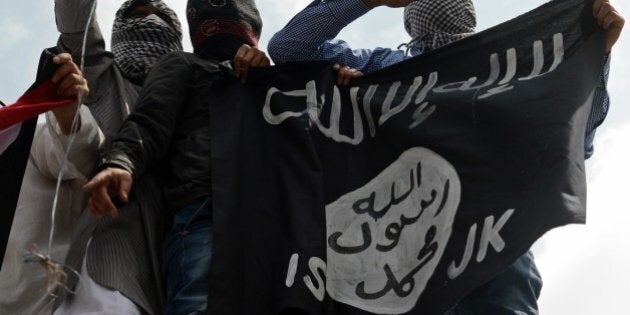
137,43
435,23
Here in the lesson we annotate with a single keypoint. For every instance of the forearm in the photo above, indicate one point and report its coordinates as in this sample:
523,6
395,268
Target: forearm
141,142
303,37
146,135
72,17
309,36
50,145
599,109
372,3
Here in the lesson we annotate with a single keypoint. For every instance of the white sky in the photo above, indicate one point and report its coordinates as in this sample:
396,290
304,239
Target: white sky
586,269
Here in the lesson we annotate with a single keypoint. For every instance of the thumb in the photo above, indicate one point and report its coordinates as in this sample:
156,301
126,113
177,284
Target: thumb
125,188
62,58
89,186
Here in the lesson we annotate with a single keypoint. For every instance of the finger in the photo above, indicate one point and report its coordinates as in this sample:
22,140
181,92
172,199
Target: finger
95,211
100,197
613,24
344,77
597,6
74,90
65,68
125,188
84,90
258,60
346,71
246,63
102,178
336,67
340,77
95,181
605,9
266,62
615,20
70,81
113,212
103,200
63,71
238,59
349,76
62,58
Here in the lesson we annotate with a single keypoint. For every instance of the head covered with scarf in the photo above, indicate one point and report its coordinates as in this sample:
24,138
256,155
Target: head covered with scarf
435,23
138,42
219,27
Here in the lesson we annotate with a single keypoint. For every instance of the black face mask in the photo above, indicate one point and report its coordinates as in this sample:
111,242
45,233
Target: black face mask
208,18
220,47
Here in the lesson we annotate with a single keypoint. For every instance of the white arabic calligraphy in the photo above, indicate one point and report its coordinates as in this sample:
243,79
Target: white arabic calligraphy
423,110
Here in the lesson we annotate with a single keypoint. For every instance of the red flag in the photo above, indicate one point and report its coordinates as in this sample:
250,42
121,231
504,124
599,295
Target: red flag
34,102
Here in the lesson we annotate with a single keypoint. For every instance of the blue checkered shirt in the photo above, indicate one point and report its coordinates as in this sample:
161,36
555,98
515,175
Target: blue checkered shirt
310,36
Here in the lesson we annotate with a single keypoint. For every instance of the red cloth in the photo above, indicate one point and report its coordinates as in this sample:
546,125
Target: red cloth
34,102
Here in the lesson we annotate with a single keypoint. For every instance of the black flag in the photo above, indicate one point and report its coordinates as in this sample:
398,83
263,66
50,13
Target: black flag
405,191
15,146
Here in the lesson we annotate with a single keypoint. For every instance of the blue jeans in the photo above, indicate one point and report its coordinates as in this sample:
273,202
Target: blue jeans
512,292
186,260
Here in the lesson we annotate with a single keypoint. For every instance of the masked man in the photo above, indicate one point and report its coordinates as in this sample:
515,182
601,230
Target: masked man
170,126
118,261
23,285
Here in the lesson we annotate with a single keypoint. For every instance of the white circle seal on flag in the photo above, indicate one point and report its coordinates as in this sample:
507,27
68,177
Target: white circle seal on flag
386,238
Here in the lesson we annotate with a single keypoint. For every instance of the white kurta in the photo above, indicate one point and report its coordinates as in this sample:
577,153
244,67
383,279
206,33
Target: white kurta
22,285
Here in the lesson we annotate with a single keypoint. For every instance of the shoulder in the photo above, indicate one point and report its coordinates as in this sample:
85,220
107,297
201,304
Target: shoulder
188,60
176,58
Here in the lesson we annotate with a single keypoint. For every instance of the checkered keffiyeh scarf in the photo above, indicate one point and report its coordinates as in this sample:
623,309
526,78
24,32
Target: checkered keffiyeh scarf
137,43
435,23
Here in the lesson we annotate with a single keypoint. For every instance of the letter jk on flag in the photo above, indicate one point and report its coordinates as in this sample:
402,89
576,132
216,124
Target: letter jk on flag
413,186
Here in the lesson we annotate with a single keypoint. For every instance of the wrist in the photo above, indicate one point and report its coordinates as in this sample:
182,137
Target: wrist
372,3
64,121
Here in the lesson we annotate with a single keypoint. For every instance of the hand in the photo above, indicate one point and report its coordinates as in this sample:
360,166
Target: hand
389,3
610,20
246,57
70,84
68,77
346,74
108,183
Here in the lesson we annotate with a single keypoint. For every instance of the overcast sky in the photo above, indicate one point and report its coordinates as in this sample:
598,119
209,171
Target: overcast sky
586,269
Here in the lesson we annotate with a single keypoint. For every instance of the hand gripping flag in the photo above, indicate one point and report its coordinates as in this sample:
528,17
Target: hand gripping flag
411,187
17,127
38,100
